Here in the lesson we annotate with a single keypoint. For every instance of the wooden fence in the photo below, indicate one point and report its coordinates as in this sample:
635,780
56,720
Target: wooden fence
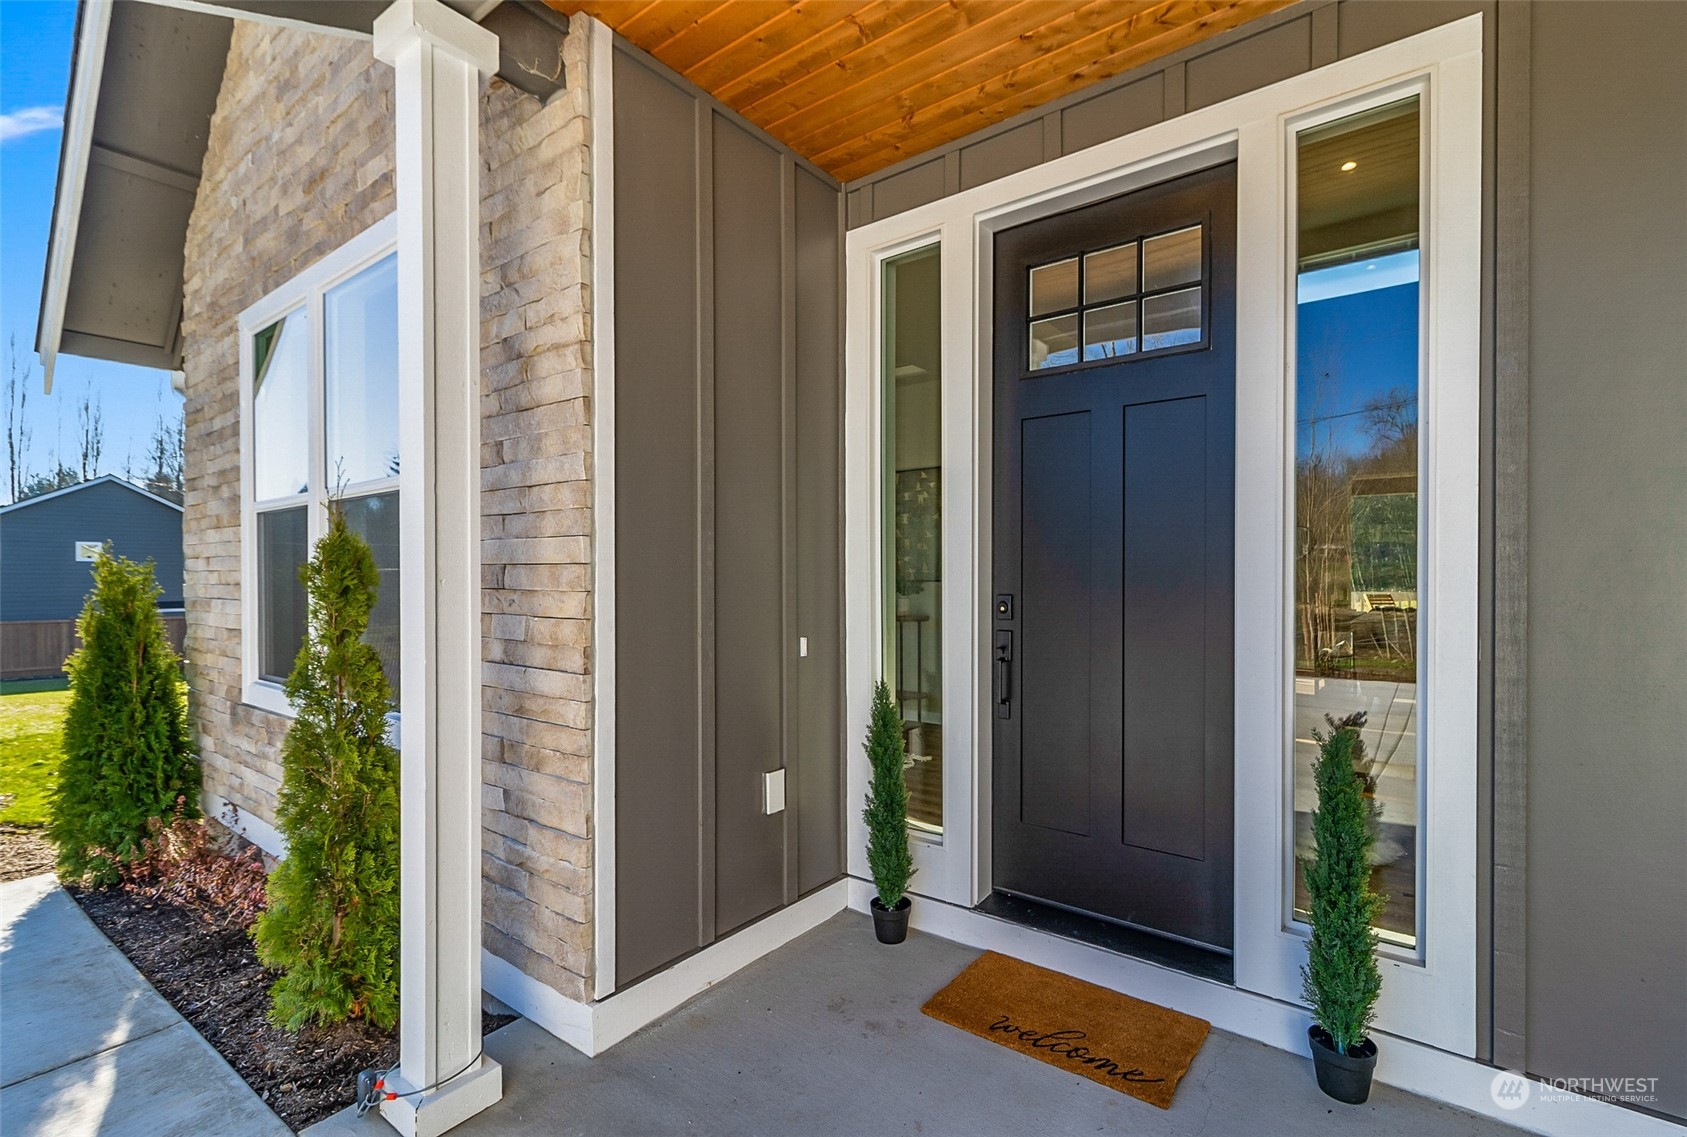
36,649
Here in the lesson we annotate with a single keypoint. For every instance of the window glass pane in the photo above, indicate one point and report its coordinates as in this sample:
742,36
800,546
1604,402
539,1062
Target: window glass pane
1171,319
375,519
281,408
1054,343
1174,258
360,339
913,522
283,548
1356,523
1110,274
1110,331
1054,287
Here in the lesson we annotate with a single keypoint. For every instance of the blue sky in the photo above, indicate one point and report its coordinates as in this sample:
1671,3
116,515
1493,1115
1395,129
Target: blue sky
1357,340
35,45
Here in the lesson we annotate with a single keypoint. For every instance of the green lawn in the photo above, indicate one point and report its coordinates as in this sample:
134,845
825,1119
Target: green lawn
31,733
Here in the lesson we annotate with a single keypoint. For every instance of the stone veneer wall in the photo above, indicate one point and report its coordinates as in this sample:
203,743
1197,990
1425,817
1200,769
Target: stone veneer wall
300,160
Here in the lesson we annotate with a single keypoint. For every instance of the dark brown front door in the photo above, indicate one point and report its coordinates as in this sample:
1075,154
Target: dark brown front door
1113,543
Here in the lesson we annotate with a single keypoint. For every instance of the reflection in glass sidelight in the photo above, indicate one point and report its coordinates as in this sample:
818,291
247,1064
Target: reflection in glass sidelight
1356,507
913,514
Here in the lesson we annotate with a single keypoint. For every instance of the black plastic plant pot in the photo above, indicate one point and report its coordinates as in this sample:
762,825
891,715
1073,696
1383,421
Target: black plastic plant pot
1345,1077
890,924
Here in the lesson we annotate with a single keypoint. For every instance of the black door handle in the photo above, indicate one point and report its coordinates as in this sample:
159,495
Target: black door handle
1004,675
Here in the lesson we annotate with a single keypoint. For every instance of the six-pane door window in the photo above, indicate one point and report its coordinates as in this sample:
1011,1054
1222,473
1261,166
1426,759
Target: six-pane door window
1124,300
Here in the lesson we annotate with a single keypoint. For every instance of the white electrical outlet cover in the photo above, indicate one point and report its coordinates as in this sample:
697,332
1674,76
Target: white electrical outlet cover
773,792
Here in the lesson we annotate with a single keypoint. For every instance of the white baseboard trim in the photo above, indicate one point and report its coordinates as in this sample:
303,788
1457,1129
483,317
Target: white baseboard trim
1407,1065
592,1028
249,825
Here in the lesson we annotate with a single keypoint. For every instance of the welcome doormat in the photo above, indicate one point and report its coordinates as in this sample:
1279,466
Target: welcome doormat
1135,1047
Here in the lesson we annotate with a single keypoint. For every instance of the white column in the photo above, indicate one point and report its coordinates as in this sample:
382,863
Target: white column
439,58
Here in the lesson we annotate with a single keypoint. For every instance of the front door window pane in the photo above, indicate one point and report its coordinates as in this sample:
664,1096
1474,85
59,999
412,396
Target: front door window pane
1171,259
913,448
1356,510
360,338
281,408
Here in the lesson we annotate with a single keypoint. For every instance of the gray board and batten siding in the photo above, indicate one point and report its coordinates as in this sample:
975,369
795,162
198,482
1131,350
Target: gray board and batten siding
40,577
1582,906
727,534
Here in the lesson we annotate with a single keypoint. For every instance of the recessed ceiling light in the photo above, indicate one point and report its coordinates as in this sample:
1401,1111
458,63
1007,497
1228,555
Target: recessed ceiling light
1349,167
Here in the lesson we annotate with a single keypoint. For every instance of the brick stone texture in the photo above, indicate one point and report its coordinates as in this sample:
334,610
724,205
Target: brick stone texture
300,160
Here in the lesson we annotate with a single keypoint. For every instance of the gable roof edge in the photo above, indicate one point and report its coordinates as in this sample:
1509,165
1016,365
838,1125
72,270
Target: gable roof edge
103,478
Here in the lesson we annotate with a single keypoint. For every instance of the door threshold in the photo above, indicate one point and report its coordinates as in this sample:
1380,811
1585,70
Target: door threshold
1121,939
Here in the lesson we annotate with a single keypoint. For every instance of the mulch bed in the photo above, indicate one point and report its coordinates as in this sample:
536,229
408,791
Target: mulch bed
210,973
24,852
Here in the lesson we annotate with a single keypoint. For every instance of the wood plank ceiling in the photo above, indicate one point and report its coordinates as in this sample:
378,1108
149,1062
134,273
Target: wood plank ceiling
856,85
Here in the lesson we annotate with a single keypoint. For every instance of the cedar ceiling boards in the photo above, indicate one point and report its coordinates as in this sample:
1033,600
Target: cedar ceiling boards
857,85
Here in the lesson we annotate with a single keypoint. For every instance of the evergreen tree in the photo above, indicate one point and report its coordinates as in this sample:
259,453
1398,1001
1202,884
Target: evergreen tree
1340,979
332,921
127,751
886,814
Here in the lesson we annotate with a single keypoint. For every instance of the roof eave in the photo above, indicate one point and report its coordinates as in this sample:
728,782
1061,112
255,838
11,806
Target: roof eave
93,23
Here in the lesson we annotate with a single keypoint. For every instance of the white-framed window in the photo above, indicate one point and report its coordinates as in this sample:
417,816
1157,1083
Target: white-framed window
318,423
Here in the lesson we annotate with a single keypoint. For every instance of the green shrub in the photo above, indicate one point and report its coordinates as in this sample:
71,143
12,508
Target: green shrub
886,814
127,751
332,922
1340,979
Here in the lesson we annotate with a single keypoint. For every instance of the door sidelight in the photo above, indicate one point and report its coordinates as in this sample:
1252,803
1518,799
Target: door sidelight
1004,675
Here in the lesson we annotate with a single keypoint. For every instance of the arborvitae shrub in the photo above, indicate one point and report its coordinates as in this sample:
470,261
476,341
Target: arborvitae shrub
1340,979
886,814
127,751
332,922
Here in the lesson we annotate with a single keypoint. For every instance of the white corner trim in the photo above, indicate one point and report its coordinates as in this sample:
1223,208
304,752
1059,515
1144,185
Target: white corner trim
600,109
244,822
622,1015
78,143
1404,1064
592,1028
567,1019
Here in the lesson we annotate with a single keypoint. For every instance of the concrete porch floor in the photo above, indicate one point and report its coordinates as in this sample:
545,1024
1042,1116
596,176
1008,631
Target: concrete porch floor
825,1037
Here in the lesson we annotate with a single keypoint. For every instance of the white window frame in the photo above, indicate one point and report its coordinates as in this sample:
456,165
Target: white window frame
304,291
1431,999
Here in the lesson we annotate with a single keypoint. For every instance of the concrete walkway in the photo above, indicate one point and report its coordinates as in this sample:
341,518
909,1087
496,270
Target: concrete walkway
825,1037
88,1047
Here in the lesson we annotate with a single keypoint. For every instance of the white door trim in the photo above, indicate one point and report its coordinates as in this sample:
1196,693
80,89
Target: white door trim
1432,1001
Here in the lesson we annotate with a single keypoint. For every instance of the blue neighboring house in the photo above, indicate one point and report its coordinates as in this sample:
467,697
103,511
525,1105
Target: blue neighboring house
48,544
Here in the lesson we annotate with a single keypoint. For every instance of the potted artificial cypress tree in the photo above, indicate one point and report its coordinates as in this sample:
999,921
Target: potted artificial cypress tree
886,814
1340,979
